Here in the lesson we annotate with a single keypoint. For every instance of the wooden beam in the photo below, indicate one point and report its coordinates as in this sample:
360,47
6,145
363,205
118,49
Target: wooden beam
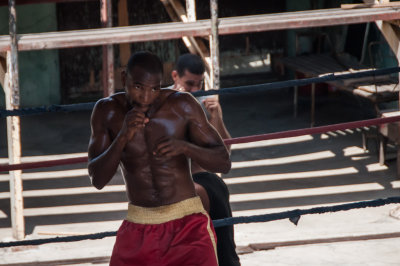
371,5
175,30
195,45
3,68
214,45
180,10
11,89
30,2
392,36
170,10
199,45
191,10
177,13
394,22
108,50
175,16
391,32
388,29
272,245
123,20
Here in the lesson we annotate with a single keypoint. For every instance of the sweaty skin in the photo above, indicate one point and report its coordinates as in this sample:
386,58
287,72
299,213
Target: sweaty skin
151,134
190,82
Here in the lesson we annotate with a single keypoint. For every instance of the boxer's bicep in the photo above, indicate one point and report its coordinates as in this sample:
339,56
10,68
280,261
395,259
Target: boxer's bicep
99,138
201,132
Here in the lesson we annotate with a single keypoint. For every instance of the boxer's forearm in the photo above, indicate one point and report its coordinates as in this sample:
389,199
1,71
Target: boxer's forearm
104,166
219,125
213,159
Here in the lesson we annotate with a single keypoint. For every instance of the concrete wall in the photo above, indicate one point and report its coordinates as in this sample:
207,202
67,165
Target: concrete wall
38,70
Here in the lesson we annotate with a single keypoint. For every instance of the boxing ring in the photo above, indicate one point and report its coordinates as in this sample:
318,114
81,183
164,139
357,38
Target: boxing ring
202,28
293,215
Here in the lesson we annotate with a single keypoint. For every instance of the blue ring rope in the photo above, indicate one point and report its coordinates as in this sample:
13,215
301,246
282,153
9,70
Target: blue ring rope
293,216
239,89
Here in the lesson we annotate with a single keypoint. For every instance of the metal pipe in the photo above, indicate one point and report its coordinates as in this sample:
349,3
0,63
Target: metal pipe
175,30
214,46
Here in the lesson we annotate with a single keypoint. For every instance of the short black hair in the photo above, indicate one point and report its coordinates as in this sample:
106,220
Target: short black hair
191,62
146,60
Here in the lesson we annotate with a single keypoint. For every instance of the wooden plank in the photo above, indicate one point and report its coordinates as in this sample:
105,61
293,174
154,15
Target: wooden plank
214,45
389,31
272,245
108,50
191,10
173,14
71,261
180,11
371,5
123,20
175,30
199,45
391,34
29,2
178,14
12,94
394,22
3,68
240,250
195,45
170,10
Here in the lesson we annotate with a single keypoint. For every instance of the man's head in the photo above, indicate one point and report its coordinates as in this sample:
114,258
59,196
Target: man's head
142,78
188,74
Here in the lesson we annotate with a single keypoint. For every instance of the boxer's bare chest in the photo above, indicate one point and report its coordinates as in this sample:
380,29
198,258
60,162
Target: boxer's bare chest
166,122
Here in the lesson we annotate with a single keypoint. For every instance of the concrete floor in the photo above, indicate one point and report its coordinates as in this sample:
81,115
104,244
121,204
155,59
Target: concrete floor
266,177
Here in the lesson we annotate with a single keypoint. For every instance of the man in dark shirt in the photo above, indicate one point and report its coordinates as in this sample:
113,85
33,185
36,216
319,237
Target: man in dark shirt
188,76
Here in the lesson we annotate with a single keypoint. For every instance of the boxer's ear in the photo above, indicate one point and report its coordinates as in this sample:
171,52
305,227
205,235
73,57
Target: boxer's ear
174,75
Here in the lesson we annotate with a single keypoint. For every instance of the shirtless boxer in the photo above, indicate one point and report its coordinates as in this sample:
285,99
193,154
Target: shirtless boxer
152,134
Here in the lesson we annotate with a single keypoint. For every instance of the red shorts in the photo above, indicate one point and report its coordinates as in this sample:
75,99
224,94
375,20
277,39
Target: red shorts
176,234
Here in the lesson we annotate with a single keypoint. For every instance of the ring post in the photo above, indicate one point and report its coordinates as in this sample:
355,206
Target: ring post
108,50
214,49
11,88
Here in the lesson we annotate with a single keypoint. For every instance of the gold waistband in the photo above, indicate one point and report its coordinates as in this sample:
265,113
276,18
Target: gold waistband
166,213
